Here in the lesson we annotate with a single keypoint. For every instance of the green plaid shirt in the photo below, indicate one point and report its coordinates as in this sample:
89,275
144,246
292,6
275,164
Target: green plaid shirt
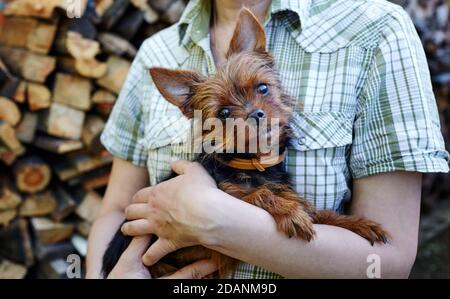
358,69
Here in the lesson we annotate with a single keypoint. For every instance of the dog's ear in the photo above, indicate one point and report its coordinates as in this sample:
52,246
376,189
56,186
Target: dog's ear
176,86
249,34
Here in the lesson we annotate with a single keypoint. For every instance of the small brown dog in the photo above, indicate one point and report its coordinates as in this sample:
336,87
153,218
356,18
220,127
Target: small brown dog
245,87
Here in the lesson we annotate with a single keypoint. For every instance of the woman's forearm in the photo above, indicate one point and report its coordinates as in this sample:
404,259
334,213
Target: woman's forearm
250,234
100,235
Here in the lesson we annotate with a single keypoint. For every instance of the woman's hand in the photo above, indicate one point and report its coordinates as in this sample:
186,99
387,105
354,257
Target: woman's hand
179,211
130,264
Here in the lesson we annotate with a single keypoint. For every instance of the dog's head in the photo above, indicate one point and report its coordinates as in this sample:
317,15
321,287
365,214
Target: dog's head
245,89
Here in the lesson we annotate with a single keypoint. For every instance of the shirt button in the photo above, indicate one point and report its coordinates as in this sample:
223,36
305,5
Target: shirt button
301,141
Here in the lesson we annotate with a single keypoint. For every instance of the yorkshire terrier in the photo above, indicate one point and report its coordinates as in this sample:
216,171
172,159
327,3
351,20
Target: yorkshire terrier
245,87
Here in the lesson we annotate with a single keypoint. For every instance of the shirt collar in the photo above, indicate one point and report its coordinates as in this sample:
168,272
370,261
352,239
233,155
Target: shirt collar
194,22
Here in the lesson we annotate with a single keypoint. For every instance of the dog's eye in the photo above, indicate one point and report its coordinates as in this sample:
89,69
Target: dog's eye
224,113
262,88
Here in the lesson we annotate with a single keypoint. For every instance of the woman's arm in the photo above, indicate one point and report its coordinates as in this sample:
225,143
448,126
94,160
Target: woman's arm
392,199
126,179
226,224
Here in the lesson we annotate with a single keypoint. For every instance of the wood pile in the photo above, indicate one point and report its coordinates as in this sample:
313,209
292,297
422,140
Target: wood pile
59,78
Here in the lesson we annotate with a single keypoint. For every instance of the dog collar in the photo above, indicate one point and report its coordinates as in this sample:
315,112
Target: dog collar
260,164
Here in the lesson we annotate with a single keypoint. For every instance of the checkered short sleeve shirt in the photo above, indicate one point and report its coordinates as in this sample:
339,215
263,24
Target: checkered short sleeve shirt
357,71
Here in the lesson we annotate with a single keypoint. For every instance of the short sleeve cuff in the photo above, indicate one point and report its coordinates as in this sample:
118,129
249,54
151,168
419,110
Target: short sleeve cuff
431,163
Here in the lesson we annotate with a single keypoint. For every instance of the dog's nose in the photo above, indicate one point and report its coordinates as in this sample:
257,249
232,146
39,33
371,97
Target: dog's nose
257,114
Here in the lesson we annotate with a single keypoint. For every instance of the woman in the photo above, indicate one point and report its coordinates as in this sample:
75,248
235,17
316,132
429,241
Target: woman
367,127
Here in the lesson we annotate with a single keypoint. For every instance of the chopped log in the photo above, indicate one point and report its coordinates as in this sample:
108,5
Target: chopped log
64,170
84,162
8,157
84,51
116,74
16,31
103,101
57,145
84,227
49,232
15,242
93,179
7,216
9,140
80,47
45,8
103,96
65,204
41,38
72,91
32,174
33,35
9,199
8,83
32,8
89,206
91,68
92,130
9,112
30,66
20,96
98,181
26,130
38,204
38,96
62,121
11,270
114,44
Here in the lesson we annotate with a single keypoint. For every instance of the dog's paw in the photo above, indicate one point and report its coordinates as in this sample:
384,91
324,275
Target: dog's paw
371,231
296,225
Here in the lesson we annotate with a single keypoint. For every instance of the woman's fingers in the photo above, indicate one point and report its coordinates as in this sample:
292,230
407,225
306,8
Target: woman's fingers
197,270
137,228
136,211
180,166
142,196
137,246
158,250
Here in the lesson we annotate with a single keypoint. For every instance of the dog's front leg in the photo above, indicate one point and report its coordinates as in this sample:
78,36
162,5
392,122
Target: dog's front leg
289,214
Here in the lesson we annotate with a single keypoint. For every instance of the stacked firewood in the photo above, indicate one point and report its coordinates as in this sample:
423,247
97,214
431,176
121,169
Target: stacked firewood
62,65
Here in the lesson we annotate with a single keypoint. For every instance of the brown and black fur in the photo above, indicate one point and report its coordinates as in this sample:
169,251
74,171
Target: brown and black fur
233,86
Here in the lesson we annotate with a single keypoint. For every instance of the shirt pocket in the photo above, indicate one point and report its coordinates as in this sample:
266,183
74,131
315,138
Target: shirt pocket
318,130
317,157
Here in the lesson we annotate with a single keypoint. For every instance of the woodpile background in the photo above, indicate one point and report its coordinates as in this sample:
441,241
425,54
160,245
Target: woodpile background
59,79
